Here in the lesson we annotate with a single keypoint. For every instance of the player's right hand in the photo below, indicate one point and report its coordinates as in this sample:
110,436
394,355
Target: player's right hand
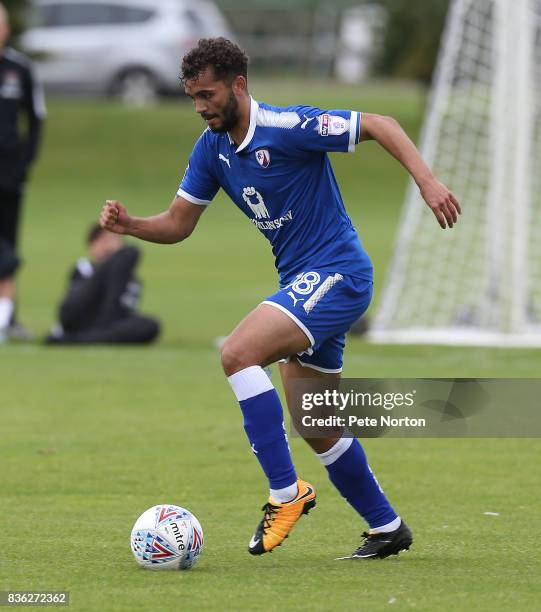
442,202
114,217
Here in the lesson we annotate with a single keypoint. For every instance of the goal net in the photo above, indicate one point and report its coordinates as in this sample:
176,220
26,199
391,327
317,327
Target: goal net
480,282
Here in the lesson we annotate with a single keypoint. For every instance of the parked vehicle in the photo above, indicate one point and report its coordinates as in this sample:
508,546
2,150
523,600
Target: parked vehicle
129,48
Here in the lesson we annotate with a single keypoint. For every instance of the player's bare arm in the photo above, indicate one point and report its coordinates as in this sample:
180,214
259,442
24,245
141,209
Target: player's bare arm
169,227
390,135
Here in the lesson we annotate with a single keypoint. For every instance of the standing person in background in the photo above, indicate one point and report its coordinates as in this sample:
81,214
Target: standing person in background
21,97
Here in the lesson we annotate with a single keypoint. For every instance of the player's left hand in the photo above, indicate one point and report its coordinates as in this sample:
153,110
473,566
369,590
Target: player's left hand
441,202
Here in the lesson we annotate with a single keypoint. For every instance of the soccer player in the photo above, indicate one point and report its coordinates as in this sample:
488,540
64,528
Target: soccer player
272,162
21,101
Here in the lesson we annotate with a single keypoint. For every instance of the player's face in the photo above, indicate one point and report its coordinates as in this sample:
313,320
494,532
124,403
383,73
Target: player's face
215,101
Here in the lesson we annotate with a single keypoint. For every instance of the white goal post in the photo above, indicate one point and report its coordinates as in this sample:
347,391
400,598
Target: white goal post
480,282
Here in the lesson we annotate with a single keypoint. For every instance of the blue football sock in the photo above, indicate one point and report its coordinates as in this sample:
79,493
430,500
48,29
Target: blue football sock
264,425
350,473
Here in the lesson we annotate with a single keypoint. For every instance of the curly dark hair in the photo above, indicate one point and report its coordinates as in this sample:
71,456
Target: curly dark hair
226,59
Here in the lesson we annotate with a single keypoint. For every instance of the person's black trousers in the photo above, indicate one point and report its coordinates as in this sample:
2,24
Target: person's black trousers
10,209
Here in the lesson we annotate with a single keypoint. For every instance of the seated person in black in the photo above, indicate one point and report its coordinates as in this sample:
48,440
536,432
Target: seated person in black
102,296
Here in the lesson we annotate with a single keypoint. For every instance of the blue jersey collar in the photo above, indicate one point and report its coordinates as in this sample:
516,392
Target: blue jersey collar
254,108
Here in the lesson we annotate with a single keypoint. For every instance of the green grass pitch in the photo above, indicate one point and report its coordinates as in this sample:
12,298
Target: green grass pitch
89,438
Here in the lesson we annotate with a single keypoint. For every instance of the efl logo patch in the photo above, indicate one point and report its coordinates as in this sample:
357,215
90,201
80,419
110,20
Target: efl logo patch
332,125
263,157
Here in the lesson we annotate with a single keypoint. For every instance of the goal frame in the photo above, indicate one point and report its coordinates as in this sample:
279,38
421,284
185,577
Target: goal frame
511,89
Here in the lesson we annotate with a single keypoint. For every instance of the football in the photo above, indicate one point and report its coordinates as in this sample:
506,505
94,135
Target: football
167,537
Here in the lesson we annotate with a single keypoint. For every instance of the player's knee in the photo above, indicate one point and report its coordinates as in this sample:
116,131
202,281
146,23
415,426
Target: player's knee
235,358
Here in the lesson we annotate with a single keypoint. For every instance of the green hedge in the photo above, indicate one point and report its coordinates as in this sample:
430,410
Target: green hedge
17,10
412,37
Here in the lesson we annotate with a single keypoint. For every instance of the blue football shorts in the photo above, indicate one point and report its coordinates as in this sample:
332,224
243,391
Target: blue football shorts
324,304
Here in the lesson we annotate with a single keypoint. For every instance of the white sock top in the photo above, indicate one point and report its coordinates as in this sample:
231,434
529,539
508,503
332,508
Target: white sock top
284,495
336,451
388,527
250,382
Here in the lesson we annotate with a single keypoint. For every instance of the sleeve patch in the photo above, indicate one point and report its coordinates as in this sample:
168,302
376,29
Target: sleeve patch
332,125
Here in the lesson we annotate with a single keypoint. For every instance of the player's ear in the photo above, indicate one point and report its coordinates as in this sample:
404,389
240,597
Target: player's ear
239,84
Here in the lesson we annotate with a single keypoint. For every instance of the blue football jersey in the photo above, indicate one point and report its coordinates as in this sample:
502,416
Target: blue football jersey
281,178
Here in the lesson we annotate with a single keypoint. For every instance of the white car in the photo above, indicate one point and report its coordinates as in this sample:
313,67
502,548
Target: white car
130,48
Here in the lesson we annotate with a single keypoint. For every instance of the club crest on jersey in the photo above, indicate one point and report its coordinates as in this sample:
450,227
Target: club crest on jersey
263,157
11,86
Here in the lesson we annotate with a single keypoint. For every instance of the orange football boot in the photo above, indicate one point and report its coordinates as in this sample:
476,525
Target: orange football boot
279,519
